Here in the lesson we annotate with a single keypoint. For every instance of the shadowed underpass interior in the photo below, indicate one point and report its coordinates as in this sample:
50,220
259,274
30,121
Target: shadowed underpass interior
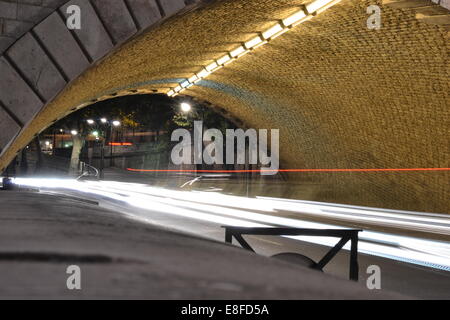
342,95
364,120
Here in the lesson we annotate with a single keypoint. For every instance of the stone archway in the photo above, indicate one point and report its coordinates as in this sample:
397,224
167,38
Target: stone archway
344,96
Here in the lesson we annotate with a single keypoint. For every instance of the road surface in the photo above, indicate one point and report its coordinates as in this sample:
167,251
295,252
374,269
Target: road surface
409,265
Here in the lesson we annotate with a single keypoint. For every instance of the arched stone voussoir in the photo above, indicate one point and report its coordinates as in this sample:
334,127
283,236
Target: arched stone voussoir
47,58
344,96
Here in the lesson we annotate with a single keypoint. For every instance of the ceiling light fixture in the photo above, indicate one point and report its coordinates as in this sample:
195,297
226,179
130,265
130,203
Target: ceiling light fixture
294,19
224,60
317,5
193,79
238,52
274,32
311,9
212,67
255,43
203,74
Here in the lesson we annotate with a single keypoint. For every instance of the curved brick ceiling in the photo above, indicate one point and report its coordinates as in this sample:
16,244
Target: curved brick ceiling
342,95
49,57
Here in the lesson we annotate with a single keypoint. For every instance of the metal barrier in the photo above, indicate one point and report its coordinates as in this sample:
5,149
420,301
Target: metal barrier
345,235
87,170
206,177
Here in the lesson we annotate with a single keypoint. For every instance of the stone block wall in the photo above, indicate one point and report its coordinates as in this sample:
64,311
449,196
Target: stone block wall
19,16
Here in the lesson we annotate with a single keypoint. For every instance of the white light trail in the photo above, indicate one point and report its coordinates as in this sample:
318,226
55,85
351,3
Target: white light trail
221,209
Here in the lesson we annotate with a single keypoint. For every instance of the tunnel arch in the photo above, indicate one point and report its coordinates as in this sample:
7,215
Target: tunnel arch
344,96
36,67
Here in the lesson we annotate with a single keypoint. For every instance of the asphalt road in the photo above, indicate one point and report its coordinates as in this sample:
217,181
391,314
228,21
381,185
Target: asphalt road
43,237
203,214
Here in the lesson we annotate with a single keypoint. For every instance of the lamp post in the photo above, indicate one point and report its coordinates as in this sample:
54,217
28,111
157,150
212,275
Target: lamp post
111,124
102,161
54,142
186,108
61,131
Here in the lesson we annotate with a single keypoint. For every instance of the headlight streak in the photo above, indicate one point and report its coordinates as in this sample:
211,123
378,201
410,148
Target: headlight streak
272,206
312,8
392,247
223,209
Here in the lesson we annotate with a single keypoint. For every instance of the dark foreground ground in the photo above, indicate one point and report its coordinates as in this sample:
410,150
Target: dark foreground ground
41,235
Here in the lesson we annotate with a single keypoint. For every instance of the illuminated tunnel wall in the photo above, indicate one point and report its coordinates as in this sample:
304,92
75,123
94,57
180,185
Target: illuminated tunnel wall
343,96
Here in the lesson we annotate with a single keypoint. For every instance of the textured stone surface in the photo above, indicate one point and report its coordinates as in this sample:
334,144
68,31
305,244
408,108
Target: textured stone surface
19,16
5,42
27,12
92,34
8,128
16,95
50,55
171,6
116,18
8,10
62,46
36,66
12,28
146,12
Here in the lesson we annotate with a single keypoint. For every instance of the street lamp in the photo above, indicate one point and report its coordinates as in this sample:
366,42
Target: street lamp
61,131
74,132
96,134
185,107
115,123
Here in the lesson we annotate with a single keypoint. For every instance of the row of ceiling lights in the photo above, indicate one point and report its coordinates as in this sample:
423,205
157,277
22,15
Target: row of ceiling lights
308,11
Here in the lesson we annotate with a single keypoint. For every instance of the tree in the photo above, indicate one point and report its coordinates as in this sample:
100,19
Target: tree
151,112
77,124
146,112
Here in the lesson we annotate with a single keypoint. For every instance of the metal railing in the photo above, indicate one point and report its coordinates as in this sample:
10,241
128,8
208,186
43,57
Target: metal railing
87,170
345,235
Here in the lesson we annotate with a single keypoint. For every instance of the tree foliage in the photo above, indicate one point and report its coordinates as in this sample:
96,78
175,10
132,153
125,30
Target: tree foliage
157,113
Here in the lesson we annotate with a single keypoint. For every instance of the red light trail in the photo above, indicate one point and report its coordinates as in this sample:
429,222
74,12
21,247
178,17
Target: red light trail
294,170
115,144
